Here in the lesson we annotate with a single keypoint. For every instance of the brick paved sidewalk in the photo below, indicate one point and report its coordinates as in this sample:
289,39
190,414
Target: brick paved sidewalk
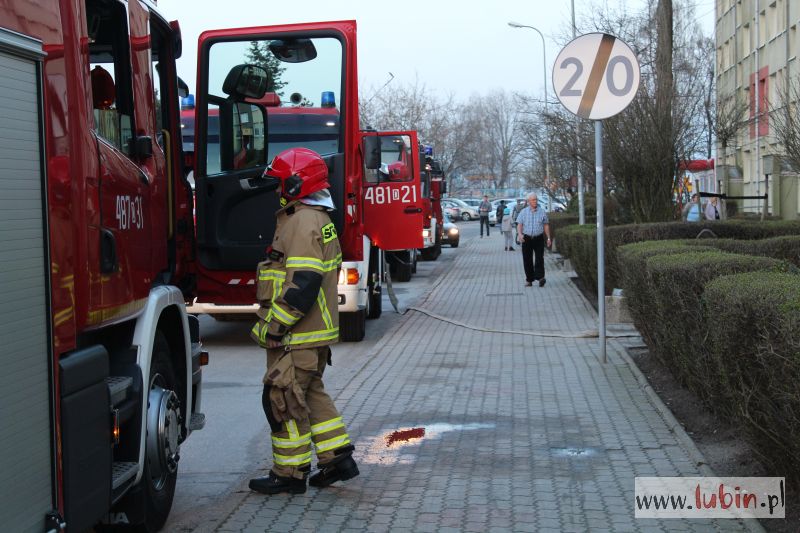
521,433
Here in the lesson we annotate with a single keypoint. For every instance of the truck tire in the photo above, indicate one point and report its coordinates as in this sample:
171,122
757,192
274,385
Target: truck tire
403,273
353,326
374,301
160,474
432,253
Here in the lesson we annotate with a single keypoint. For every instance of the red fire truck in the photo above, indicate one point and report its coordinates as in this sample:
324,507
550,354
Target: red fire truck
398,165
101,364
433,187
311,100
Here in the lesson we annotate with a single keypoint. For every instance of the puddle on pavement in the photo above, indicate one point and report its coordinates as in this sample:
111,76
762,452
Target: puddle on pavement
399,446
575,452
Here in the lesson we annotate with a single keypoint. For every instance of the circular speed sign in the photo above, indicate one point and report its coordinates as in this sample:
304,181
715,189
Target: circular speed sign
596,76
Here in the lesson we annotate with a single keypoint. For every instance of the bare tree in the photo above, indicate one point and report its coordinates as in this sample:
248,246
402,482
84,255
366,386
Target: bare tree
786,123
442,122
666,123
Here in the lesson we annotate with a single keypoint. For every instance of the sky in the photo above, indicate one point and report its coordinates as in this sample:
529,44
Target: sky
451,46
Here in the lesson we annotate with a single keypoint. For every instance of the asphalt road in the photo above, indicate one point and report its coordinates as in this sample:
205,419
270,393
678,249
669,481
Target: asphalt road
234,446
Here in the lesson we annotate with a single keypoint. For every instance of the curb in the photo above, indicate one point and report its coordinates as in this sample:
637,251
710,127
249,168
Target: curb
752,524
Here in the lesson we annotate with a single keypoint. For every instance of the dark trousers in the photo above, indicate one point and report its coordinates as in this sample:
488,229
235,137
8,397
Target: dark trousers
485,220
533,247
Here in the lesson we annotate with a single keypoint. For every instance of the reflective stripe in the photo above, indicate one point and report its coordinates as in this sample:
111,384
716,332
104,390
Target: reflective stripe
323,307
292,443
291,428
282,315
314,263
292,460
331,444
312,336
328,425
271,274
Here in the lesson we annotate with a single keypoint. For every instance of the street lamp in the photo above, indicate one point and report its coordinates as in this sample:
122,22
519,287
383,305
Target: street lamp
546,112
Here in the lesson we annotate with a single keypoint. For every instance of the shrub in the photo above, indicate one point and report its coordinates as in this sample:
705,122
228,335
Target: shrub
754,338
616,236
632,259
579,243
786,247
559,221
674,288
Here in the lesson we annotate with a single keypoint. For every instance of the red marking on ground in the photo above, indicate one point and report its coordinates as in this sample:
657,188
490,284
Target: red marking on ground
404,435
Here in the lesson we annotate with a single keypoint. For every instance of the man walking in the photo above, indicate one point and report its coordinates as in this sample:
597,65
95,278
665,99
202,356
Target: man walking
483,212
298,321
532,228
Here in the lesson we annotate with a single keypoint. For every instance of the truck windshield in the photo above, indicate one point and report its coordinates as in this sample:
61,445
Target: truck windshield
300,109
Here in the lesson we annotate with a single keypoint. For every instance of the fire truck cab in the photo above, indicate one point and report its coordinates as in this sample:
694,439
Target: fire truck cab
101,378
297,87
433,187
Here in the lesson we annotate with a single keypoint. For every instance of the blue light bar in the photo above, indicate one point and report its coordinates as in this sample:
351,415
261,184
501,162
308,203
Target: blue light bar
428,150
187,102
328,99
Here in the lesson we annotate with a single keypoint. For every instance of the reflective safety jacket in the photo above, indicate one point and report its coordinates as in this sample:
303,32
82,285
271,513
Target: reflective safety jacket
297,283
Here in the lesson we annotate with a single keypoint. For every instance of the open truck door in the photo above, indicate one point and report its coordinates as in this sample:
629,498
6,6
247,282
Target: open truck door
262,90
391,190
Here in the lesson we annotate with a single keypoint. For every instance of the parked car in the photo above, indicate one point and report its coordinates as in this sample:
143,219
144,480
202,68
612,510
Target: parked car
451,233
466,212
475,204
451,211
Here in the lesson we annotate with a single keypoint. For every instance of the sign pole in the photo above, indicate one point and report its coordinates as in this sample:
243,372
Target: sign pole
595,77
601,245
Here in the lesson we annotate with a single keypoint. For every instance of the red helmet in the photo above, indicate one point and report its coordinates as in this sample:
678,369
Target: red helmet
300,172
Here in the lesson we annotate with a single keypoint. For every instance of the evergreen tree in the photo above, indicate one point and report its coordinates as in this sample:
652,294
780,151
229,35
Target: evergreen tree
259,54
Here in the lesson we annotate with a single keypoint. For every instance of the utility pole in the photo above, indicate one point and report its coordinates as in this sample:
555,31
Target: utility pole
578,173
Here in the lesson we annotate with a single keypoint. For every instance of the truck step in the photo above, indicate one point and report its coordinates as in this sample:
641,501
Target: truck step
118,387
197,422
122,472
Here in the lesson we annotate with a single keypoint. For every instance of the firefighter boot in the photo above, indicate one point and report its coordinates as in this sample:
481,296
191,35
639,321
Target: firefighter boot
275,484
340,468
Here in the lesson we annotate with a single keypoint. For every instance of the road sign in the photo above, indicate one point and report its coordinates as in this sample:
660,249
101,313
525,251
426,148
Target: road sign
596,76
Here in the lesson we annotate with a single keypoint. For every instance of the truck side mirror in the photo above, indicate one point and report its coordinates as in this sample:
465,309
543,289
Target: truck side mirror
142,147
443,187
372,152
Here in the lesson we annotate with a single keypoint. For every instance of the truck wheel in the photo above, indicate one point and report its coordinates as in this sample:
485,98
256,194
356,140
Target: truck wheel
352,326
374,301
163,432
403,273
454,244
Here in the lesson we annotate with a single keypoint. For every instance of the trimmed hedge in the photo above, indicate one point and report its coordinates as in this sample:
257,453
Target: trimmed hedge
786,247
674,286
579,243
559,221
615,236
632,260
753,322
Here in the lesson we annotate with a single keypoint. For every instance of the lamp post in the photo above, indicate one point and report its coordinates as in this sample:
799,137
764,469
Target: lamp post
546,112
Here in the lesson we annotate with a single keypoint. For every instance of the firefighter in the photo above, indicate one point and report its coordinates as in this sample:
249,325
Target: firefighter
298,321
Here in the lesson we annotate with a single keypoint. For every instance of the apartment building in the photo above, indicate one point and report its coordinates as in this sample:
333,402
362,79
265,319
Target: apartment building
757,54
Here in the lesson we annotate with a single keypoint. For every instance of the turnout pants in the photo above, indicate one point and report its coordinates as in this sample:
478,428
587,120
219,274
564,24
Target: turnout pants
485,220
301,414
533,247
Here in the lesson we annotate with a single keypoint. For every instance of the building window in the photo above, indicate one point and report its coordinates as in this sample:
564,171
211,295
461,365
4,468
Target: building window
763,103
